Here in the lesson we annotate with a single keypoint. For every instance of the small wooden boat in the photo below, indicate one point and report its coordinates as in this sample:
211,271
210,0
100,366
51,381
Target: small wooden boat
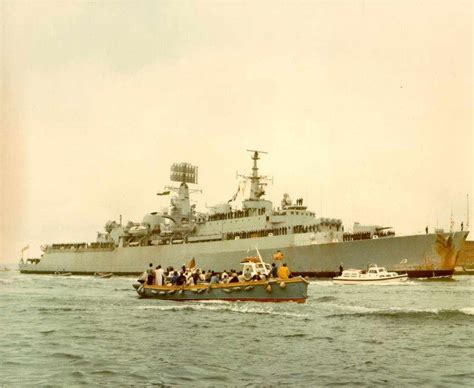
373,275
63,273
268,290
272,290
103,275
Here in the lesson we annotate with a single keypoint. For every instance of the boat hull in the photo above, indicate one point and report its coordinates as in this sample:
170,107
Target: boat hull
274,290
429,255
381,281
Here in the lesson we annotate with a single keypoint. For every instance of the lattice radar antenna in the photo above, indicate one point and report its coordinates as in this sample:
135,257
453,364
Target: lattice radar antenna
184,173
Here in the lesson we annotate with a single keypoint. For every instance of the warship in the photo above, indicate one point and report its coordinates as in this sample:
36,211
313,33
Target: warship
217,239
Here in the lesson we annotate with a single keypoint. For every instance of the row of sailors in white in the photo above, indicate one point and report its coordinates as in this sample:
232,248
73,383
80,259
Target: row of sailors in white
192,276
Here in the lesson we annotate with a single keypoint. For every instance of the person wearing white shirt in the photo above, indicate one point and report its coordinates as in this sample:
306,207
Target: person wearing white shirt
159,276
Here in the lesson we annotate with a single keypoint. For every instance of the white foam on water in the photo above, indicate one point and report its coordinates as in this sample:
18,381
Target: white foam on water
467,310
356,309
410,310
402,310
226,306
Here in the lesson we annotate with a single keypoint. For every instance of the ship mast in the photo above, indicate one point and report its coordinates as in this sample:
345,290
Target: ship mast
256,186
184,173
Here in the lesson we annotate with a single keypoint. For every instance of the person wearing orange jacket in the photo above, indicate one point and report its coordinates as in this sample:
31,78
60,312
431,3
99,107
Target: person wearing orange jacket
284,272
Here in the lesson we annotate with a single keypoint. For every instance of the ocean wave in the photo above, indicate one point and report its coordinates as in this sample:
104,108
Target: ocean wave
326,299
295,335
397,312
69,356
47,331
104,372
227,307
56,309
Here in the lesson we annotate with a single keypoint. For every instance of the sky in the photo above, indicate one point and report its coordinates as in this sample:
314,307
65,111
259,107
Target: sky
364,108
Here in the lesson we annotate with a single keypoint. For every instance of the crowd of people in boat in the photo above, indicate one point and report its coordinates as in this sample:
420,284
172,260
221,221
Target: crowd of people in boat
193,276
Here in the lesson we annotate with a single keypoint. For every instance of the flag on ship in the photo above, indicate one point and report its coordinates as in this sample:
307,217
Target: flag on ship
25,248
163,193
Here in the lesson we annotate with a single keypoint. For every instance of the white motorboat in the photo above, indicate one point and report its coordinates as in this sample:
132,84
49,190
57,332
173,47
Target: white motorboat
373,275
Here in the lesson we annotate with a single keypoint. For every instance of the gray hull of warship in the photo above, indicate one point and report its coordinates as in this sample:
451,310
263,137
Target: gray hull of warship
218,240
415,255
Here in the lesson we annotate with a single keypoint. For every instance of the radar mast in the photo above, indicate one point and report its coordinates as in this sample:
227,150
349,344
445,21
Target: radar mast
256,186
184,173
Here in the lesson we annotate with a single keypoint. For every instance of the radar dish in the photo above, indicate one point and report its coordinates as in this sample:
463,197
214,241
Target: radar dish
184,172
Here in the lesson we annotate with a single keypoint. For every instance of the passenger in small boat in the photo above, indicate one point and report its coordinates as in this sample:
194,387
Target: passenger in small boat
274,271
341,270
214,278
190,280
256,277
241,277
174,278
234,278
284,272
181,280
208,276
224,277
150,275
202,277
196,278
159,275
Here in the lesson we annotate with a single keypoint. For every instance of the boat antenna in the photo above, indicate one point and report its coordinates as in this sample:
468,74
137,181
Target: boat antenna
259,255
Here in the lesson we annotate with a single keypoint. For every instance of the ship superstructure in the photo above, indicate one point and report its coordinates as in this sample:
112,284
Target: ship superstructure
256,218
219,238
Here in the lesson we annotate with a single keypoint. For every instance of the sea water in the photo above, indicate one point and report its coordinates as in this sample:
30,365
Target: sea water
60,331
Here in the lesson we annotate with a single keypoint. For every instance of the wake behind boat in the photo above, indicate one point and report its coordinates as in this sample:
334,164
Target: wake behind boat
373,275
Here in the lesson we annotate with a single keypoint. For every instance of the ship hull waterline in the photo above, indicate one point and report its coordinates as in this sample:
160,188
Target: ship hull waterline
430,255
